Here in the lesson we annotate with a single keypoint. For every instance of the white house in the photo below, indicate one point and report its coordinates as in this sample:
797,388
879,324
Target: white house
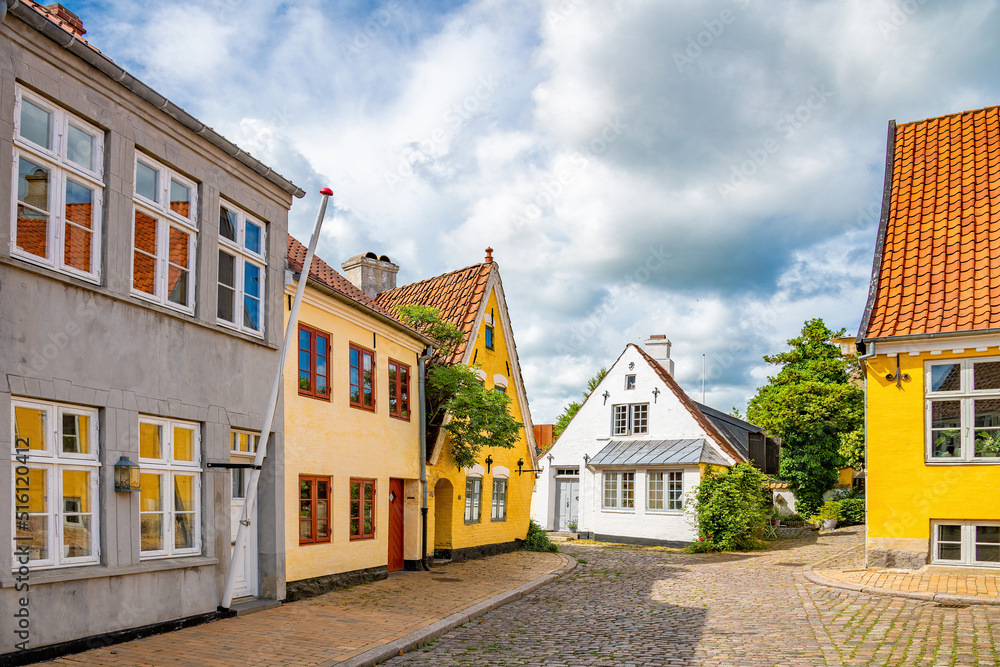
624,466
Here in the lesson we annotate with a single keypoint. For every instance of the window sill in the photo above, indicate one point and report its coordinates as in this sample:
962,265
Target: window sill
666,512
961,462
57,575
402,419
318,398
963,564
612,510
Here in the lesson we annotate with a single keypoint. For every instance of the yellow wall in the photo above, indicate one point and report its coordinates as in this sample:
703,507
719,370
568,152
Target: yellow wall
905,493
519,487
332,438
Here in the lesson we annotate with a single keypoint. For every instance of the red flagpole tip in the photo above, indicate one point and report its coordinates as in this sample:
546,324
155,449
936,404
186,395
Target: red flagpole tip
326,191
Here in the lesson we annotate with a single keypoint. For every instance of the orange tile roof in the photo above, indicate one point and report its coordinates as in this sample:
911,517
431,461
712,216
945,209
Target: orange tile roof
458,295
325,274
937,261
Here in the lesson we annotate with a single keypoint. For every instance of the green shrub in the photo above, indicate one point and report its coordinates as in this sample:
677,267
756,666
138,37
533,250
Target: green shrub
827,511
538,539
853,511
730,509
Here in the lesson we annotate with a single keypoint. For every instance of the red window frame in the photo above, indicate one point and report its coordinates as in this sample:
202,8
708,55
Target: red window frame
362,384
399,390
309,500
310,372
361,509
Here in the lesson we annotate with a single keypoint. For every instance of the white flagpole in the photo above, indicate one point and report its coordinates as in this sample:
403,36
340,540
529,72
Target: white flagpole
293,318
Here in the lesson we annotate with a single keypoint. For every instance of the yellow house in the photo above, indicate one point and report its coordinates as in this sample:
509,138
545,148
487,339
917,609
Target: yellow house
352,437
484,509
930,343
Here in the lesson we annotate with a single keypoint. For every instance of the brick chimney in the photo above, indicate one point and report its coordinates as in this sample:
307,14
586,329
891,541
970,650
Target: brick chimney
658,347
66,19
370,273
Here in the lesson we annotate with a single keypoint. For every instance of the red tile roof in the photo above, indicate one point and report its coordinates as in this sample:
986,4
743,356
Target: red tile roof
458,295
937,262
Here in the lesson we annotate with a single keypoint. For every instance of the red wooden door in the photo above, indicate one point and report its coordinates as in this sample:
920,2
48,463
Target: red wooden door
395,525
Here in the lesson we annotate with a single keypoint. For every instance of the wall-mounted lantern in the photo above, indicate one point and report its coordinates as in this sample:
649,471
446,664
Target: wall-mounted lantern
126,475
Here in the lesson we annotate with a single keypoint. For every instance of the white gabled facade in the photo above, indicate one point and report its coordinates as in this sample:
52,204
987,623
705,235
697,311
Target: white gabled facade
609,496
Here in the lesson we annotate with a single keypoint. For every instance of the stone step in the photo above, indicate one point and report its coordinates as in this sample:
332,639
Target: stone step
251,605
557,536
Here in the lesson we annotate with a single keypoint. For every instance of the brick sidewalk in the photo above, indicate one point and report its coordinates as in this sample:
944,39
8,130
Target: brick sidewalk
336,626
848,569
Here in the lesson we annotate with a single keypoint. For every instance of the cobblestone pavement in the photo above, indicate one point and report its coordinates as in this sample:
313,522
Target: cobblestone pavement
333,627
644,606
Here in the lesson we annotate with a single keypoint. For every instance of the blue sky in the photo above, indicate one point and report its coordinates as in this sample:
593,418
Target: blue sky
708,170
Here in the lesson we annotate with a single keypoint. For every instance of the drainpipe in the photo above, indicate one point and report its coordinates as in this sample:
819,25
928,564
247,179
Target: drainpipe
422,374
863,358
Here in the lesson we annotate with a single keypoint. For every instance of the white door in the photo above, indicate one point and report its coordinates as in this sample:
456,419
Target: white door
246,561
567,502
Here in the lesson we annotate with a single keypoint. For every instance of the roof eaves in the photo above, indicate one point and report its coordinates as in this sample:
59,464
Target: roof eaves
102,63
883,226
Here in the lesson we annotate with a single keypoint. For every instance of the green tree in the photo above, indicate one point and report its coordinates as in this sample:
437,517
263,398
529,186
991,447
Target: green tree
815,405
456,400
566,416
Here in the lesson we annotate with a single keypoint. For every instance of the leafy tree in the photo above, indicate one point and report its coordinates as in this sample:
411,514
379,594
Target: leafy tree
816,407
456,400
730,508
570,410
735,412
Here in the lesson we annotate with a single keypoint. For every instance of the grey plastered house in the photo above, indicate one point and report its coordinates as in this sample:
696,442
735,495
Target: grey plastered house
141,280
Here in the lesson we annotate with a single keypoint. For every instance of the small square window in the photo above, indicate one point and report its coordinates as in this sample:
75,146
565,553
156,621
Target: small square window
630,381
489,337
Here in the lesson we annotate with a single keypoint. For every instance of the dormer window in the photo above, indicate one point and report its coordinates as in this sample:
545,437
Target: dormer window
630,381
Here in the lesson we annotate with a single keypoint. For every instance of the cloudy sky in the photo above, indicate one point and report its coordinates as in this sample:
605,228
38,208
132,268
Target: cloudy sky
707,170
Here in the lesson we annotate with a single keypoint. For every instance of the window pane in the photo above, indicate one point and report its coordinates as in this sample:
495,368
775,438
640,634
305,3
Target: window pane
305,530
227,224
32,208
251,279
184,493
36,124
76,500
180,199
354,527
946,377
180,247
949,551
150,495
227,304
177,285
38,494
76,491
34,531
80,147
988,544
30,424
251,313
640,418
183,444
369,491
227,284
949,533
147,181
184,530
227,269
150,437
239,483
77,540
79,204
251,300
76,434
322,529
253,237
986,375
144,264
946,422
355,490
79,219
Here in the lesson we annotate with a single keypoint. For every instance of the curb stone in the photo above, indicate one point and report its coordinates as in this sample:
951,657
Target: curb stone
438,628
910,595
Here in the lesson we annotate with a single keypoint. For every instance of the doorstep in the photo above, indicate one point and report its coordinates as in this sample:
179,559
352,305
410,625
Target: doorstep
250,605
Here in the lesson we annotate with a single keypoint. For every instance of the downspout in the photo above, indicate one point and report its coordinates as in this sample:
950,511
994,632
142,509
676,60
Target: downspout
421,392
862,359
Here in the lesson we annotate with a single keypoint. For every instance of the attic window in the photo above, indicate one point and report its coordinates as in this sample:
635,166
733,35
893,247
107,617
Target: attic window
489,337
630,381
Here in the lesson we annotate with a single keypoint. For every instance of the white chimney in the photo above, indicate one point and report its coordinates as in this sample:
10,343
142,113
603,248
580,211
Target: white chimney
658,347
370,273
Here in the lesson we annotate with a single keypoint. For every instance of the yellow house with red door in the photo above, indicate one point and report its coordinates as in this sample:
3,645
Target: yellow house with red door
930,343
352,436
484,509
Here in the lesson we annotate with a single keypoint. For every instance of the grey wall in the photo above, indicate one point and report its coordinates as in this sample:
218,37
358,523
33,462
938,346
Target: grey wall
66,340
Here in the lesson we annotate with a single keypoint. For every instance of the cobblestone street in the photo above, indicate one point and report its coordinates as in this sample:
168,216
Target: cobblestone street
647,606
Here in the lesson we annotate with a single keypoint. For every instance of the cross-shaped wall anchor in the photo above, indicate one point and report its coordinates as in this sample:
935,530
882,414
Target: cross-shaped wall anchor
606,394
656,393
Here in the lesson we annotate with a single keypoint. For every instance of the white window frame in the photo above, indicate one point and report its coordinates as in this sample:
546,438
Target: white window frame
614,481
53,462
498,502
165,219
968,543
242,256
631,412
966,396
668,480
240,442
61,169
630,382
168,468
474,500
